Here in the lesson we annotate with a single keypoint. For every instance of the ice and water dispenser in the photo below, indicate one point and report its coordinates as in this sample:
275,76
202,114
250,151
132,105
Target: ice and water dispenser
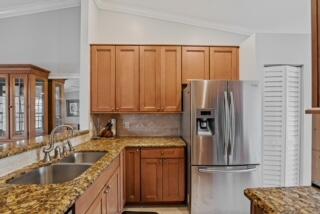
205,122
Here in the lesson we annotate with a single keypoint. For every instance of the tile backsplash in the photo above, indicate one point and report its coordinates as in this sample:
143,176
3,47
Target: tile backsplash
142,124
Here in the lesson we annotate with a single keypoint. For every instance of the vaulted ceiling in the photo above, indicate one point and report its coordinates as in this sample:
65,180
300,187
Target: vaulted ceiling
240,16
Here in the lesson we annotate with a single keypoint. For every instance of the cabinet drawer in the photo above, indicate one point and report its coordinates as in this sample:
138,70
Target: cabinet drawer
162,153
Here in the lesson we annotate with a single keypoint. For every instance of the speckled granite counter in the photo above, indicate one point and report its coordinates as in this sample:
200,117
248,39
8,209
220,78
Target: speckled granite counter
58,198
19,146
285,200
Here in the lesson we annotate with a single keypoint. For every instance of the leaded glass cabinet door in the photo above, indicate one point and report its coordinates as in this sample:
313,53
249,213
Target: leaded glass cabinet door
38,106
4,106
18,106
59,104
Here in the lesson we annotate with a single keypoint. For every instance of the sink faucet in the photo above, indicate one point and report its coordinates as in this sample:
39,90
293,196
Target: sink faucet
57,150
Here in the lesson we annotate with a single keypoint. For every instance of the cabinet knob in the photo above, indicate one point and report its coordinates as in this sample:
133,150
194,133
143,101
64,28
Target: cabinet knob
162,153
138,150
107,189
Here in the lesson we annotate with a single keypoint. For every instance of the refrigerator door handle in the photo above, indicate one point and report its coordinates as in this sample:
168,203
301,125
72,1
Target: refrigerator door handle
232,126
247,169
226,126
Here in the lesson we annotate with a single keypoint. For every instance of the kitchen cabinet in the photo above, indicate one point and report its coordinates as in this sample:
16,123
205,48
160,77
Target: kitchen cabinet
161,175
132,175
195,63
23,102
224,63
57,100
150,87
103,196
127,78
160,78
315,17
151,179
173,175
171,78
103,78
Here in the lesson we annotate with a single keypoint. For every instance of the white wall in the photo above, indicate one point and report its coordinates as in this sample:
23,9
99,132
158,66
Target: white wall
113,27
49,40
283,49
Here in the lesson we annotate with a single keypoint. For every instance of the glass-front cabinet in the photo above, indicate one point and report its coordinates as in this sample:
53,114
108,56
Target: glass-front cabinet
23,102
56,99
4,116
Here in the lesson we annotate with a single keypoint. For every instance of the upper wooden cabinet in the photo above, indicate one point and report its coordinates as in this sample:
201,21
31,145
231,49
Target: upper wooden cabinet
23,102
150,85
127,78
195,63
315,53
171,78
103,77
224,63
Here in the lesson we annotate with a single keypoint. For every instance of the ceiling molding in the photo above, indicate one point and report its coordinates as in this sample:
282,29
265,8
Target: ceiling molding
37,7
115,7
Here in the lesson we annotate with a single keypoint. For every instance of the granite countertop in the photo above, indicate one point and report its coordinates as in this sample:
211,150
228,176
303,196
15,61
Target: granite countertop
19,146
58,198
286,199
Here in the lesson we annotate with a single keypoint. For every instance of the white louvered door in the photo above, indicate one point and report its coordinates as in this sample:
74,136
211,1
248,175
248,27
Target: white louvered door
281,125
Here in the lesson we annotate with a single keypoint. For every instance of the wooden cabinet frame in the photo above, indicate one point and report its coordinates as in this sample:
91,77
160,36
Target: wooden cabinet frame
6,78
53,83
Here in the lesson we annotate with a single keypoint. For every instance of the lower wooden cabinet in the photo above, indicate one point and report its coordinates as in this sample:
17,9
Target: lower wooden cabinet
162,175
104,195
151,180
173,179
132,175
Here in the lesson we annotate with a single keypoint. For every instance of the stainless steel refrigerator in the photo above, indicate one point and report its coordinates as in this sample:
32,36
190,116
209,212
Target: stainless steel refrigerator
221,124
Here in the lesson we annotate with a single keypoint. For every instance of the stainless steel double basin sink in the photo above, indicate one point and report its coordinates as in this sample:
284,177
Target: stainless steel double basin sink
64,170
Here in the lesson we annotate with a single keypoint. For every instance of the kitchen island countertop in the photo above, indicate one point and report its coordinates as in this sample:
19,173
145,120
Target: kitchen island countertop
305,199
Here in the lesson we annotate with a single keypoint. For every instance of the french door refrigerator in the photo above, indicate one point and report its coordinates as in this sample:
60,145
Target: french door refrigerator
221,125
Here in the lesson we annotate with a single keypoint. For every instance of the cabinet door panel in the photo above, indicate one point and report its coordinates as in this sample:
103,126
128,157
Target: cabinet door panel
4,106
171,78
150,78
173,180
195,63
102,78
19,106
132,175
151,180
127,78
112,194
97,206
224,63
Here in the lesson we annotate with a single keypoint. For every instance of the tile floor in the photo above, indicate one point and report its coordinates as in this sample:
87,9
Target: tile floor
160,210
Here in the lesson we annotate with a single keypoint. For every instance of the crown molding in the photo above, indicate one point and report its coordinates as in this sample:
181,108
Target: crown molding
58,75
37,7
202,23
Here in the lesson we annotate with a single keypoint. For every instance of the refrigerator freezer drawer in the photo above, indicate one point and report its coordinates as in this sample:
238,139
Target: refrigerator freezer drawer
219,190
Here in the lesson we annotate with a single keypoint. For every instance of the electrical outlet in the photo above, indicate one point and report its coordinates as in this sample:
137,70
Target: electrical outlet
126,124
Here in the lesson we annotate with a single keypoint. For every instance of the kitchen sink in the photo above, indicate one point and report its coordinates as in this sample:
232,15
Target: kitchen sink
83,157
52,174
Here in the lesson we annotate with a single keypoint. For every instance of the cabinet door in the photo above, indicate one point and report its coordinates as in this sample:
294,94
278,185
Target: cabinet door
132,175
103,78
151,180
150,78
127,78
224,63
4,106
97,207
195,63
112,194
171,78
173,179
38,99
18,106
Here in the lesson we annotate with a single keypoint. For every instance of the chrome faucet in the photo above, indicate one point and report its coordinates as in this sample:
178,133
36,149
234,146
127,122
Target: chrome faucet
57,150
